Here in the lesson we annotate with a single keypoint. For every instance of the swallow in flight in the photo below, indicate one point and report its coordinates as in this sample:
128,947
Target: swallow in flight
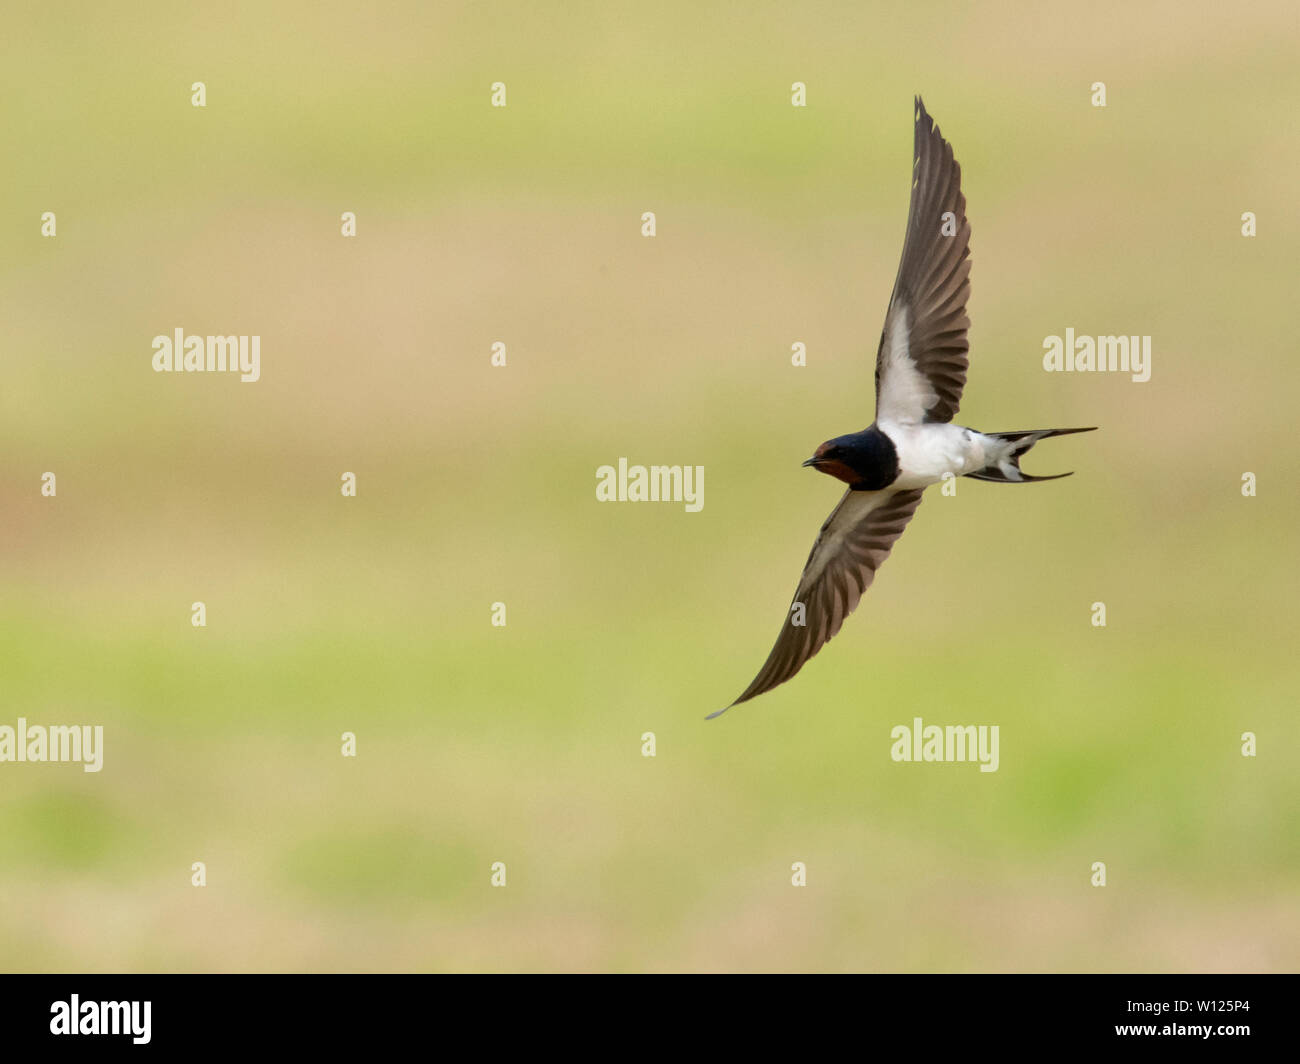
920,370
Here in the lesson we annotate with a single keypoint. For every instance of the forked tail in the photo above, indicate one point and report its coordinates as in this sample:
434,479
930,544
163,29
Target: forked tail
1004,461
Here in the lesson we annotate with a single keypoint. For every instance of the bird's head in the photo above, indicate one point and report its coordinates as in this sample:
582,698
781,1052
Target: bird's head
826,452
832,458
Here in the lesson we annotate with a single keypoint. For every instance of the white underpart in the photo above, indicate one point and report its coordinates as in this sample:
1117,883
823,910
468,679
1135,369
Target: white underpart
905,393
927,451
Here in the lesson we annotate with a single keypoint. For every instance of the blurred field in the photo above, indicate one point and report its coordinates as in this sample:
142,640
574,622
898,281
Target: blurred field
522,744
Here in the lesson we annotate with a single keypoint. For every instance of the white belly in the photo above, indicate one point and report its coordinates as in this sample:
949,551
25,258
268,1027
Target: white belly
927,451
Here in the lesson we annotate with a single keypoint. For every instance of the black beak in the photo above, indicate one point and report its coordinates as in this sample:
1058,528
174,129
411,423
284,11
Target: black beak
812,461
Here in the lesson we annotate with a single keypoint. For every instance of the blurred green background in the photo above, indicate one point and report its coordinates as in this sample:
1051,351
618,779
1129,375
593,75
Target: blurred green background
476,485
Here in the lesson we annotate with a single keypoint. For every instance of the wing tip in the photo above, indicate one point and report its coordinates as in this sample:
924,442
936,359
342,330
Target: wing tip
921,115
718,713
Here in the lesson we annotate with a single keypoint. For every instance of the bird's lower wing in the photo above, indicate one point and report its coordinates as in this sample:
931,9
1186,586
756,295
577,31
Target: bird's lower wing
852,545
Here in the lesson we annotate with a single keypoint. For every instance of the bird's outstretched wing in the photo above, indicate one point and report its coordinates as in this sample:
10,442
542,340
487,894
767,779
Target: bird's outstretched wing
921,363
851,546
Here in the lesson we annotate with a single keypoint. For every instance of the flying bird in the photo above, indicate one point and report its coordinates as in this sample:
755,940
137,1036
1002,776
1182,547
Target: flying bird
920,371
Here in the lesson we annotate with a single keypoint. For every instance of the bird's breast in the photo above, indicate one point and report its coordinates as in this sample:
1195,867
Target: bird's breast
928,451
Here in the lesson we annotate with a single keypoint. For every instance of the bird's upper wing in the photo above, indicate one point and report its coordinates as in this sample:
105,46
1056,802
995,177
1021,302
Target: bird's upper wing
851,546
921,364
